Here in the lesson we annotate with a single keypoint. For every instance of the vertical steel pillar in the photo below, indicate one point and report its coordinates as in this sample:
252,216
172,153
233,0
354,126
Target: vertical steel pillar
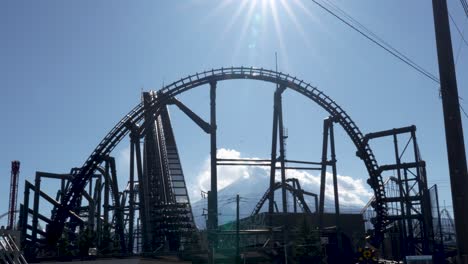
401,223
295,187
98,209
118,210
335,179
131,202
91,206
106,195
90,186
453,126
213,150
426,210
283,175
282,152
35,221
213,199
24,224
440,248
323,171
62,190
274,142
409,221
138,232
143,199
335,184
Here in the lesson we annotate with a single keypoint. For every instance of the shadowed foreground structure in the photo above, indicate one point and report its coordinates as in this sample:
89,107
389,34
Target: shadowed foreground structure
152,215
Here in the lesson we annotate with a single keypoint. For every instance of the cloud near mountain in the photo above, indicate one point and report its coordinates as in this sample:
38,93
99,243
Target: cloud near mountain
351,191
251,182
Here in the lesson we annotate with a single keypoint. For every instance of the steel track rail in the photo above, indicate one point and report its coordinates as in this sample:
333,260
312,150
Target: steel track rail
136,115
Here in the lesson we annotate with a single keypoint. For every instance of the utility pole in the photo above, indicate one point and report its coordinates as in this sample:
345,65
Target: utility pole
237,231
453,126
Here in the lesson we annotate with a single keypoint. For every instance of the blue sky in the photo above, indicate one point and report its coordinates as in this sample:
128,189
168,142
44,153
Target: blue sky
70,70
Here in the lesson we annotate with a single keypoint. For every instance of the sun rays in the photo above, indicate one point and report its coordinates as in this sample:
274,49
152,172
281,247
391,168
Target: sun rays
259,22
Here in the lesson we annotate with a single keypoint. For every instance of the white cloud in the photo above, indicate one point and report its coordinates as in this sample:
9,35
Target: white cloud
352,192
226,174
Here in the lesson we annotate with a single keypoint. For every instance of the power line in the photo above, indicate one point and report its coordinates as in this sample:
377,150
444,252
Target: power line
458,29
367,33
462,39
378,41
463,110
465,6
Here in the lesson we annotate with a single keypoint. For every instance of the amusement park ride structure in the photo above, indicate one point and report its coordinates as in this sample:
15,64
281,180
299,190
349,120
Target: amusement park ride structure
154,214
15,167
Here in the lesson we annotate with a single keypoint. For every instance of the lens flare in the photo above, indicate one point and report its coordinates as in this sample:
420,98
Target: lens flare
254,18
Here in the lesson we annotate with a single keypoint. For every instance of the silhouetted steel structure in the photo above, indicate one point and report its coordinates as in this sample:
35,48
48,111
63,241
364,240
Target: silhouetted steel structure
158,199
15,167
293,186
448,234
408,199
9,250
166,207
153,212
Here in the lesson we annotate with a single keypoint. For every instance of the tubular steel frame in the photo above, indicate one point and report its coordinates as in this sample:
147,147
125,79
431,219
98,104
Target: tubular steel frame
408,198
136,120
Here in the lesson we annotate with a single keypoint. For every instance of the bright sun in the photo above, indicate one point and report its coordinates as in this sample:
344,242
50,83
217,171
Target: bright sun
251,16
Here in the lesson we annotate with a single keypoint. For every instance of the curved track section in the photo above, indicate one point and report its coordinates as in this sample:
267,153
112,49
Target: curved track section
136,116
298,192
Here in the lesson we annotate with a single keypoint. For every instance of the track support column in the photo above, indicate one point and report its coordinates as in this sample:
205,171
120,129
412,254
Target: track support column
274,142
428,245
401,224
24,224
35,221
335,185
213,199
98,194
282,137
323,172
143,199
131,221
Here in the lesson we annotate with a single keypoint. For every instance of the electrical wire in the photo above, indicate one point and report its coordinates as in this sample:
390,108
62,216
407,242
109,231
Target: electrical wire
458,29
367,33
462,39
464,112
378,41
465,6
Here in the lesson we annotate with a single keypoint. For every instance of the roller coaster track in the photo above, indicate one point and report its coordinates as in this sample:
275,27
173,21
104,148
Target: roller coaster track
298,192
136,116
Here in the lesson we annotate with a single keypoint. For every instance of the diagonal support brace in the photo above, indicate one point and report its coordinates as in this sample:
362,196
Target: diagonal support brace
195,118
